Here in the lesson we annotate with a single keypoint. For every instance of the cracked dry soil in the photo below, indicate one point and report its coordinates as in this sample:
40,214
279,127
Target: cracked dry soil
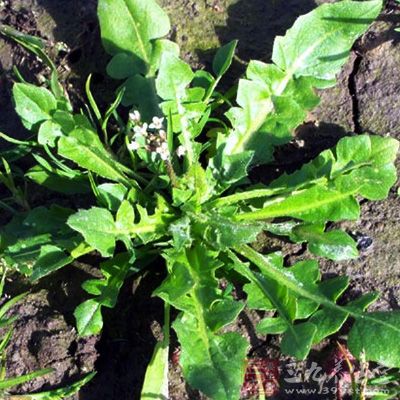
365,100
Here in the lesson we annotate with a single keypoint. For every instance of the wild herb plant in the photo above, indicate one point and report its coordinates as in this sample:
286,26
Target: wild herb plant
170,181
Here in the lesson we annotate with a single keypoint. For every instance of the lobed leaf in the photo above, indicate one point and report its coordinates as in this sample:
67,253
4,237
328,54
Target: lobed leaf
326,188
334,244
361,337
274,98
212,362
88,314
39,242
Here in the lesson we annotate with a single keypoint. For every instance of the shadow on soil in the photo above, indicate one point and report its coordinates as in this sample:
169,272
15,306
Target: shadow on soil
76,25
127,343
256,23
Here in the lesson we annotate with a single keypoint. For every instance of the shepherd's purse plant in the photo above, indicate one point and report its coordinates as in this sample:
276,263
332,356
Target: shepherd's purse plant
166,167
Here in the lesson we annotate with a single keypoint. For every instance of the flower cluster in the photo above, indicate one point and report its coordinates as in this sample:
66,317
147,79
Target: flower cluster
151,137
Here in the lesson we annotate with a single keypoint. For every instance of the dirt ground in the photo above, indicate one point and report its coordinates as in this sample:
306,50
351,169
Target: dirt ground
366,99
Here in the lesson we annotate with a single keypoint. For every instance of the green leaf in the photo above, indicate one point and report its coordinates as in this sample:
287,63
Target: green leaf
376,333
111,195
377,336
161,47
156,379
125,219
49,131
176,286
58,182
374,182
66,120
351,154
335,245
223,58
12,382
329,321
50,259
88,318
130,27
214,364
85,149
134,42
140,92
326,188
121,66
298,340
173,78
192,286
317,204
256,298
181,233
37,46
228,170
274,98
211,362
37,243
59,394
34,44
153,226
195,188
272,326
319,42
97,226
155,384
33,104
10,303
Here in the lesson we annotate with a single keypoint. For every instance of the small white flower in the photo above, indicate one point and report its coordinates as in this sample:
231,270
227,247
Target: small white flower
180,151
133,146
135,116
141,130
162,134
163,151
164,156
157,123
164,146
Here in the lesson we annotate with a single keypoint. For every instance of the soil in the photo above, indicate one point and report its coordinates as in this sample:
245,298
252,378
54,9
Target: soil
365,100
